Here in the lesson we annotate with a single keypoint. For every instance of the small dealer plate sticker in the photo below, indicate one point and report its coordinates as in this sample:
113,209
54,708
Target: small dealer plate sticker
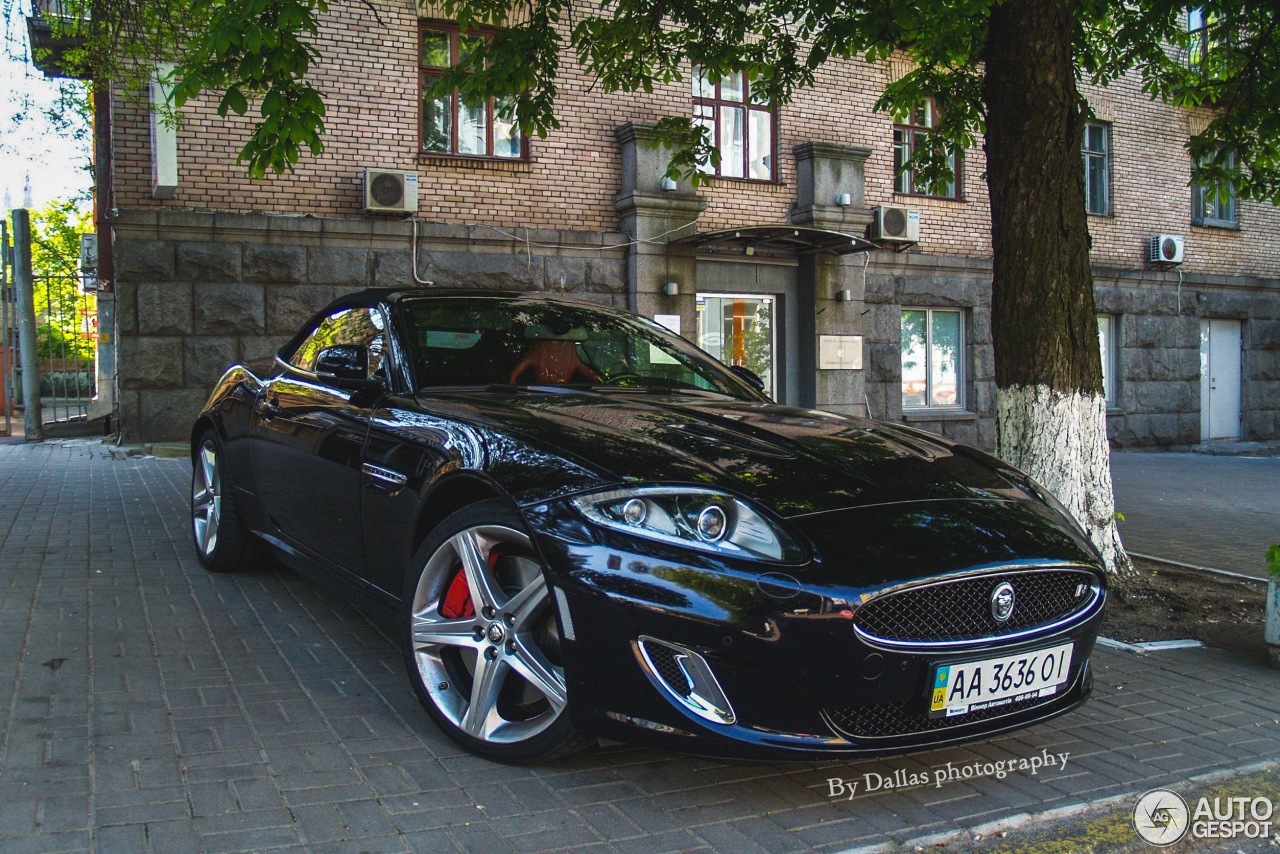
975,686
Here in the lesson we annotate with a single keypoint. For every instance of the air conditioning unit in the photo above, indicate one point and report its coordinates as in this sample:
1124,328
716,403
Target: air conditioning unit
895,224
390,191
1166,249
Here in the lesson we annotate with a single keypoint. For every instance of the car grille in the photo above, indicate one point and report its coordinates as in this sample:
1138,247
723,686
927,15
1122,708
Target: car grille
960,609
668,669
909,718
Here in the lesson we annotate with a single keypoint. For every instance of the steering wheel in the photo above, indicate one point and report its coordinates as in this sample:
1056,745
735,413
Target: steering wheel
617,379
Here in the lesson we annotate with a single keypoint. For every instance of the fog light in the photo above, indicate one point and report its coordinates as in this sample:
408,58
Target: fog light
712,523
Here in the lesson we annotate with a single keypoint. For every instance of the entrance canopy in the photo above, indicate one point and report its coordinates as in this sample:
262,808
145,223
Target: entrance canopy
775,241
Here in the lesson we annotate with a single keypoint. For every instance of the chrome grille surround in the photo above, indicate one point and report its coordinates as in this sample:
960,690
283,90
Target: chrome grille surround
955,612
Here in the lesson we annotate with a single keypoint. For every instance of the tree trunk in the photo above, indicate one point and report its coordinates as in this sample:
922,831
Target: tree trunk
1050,407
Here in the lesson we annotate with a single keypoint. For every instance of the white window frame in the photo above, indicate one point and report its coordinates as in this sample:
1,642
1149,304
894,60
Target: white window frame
962,359
1108,325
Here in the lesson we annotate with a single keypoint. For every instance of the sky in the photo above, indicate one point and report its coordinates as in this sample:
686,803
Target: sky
33,153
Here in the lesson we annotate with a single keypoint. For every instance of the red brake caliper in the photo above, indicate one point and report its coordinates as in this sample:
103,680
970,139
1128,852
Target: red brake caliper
457,599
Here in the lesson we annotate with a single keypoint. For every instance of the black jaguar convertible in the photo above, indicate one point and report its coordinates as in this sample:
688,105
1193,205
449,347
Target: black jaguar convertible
586,526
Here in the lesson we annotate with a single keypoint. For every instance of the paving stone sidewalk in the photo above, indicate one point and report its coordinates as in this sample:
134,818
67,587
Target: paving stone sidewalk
146,705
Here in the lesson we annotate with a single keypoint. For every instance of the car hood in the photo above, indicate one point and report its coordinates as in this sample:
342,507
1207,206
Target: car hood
793,461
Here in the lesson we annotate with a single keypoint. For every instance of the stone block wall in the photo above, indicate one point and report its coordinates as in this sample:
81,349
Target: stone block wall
1157,400
197,292
895,282
1158,348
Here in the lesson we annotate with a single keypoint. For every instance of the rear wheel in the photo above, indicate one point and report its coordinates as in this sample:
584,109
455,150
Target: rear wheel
222,543
481,642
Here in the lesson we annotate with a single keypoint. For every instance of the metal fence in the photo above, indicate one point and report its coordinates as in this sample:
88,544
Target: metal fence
66,347
48,343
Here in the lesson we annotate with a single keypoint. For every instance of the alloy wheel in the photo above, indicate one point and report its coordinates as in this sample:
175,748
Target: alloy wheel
206,499
484,638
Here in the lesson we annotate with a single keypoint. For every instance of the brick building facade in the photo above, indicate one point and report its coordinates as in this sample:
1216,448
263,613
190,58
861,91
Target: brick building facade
227,267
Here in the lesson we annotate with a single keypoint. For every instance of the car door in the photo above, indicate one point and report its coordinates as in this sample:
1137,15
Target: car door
308,437
408,447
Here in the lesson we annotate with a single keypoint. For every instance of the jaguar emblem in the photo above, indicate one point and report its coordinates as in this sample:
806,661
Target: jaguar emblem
1002,601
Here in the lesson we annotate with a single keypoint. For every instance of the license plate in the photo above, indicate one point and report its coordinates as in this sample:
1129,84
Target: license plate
975,686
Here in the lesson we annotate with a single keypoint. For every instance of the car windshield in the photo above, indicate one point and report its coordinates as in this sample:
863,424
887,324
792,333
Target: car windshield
467,341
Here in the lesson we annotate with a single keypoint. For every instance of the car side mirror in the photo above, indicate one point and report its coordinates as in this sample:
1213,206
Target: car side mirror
752,378
346,366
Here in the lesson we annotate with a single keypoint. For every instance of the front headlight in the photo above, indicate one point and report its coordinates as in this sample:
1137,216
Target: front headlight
692,517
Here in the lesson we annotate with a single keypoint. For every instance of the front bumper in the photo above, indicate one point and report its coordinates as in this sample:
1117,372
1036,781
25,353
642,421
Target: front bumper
780,641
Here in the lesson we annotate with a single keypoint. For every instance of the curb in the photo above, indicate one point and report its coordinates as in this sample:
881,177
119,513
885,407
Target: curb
1228,573
1149,646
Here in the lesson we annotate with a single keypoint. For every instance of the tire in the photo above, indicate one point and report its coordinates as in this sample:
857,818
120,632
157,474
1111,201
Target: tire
481,642
221,541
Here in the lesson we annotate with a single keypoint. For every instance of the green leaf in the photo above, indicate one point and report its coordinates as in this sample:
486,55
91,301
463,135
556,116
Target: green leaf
235,101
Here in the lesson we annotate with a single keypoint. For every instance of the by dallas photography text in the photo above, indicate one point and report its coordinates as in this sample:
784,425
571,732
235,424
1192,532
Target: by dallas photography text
900,778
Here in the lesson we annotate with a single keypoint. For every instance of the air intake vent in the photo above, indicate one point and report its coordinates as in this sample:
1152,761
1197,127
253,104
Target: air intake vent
686,677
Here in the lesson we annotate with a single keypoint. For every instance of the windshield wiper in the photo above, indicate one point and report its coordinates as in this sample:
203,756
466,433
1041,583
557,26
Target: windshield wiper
652,385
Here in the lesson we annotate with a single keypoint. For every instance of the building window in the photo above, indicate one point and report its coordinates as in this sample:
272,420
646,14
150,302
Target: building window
740,123
1095,149
451,125
909,136
1107,344
932,358
1212,207
1204,36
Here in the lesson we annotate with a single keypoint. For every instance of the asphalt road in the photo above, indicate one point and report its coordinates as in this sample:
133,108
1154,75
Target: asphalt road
1221,512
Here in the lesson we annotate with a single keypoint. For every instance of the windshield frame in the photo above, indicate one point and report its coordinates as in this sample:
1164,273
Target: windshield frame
695,359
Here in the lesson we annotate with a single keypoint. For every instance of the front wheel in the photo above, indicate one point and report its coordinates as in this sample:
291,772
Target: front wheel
481,643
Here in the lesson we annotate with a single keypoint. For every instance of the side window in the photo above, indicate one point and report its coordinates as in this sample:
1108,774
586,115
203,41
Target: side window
362,327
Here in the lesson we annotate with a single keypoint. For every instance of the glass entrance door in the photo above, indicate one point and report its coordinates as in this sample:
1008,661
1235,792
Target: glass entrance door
740,329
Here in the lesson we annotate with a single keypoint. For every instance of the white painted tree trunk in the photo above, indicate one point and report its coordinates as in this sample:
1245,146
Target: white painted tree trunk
1061,441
